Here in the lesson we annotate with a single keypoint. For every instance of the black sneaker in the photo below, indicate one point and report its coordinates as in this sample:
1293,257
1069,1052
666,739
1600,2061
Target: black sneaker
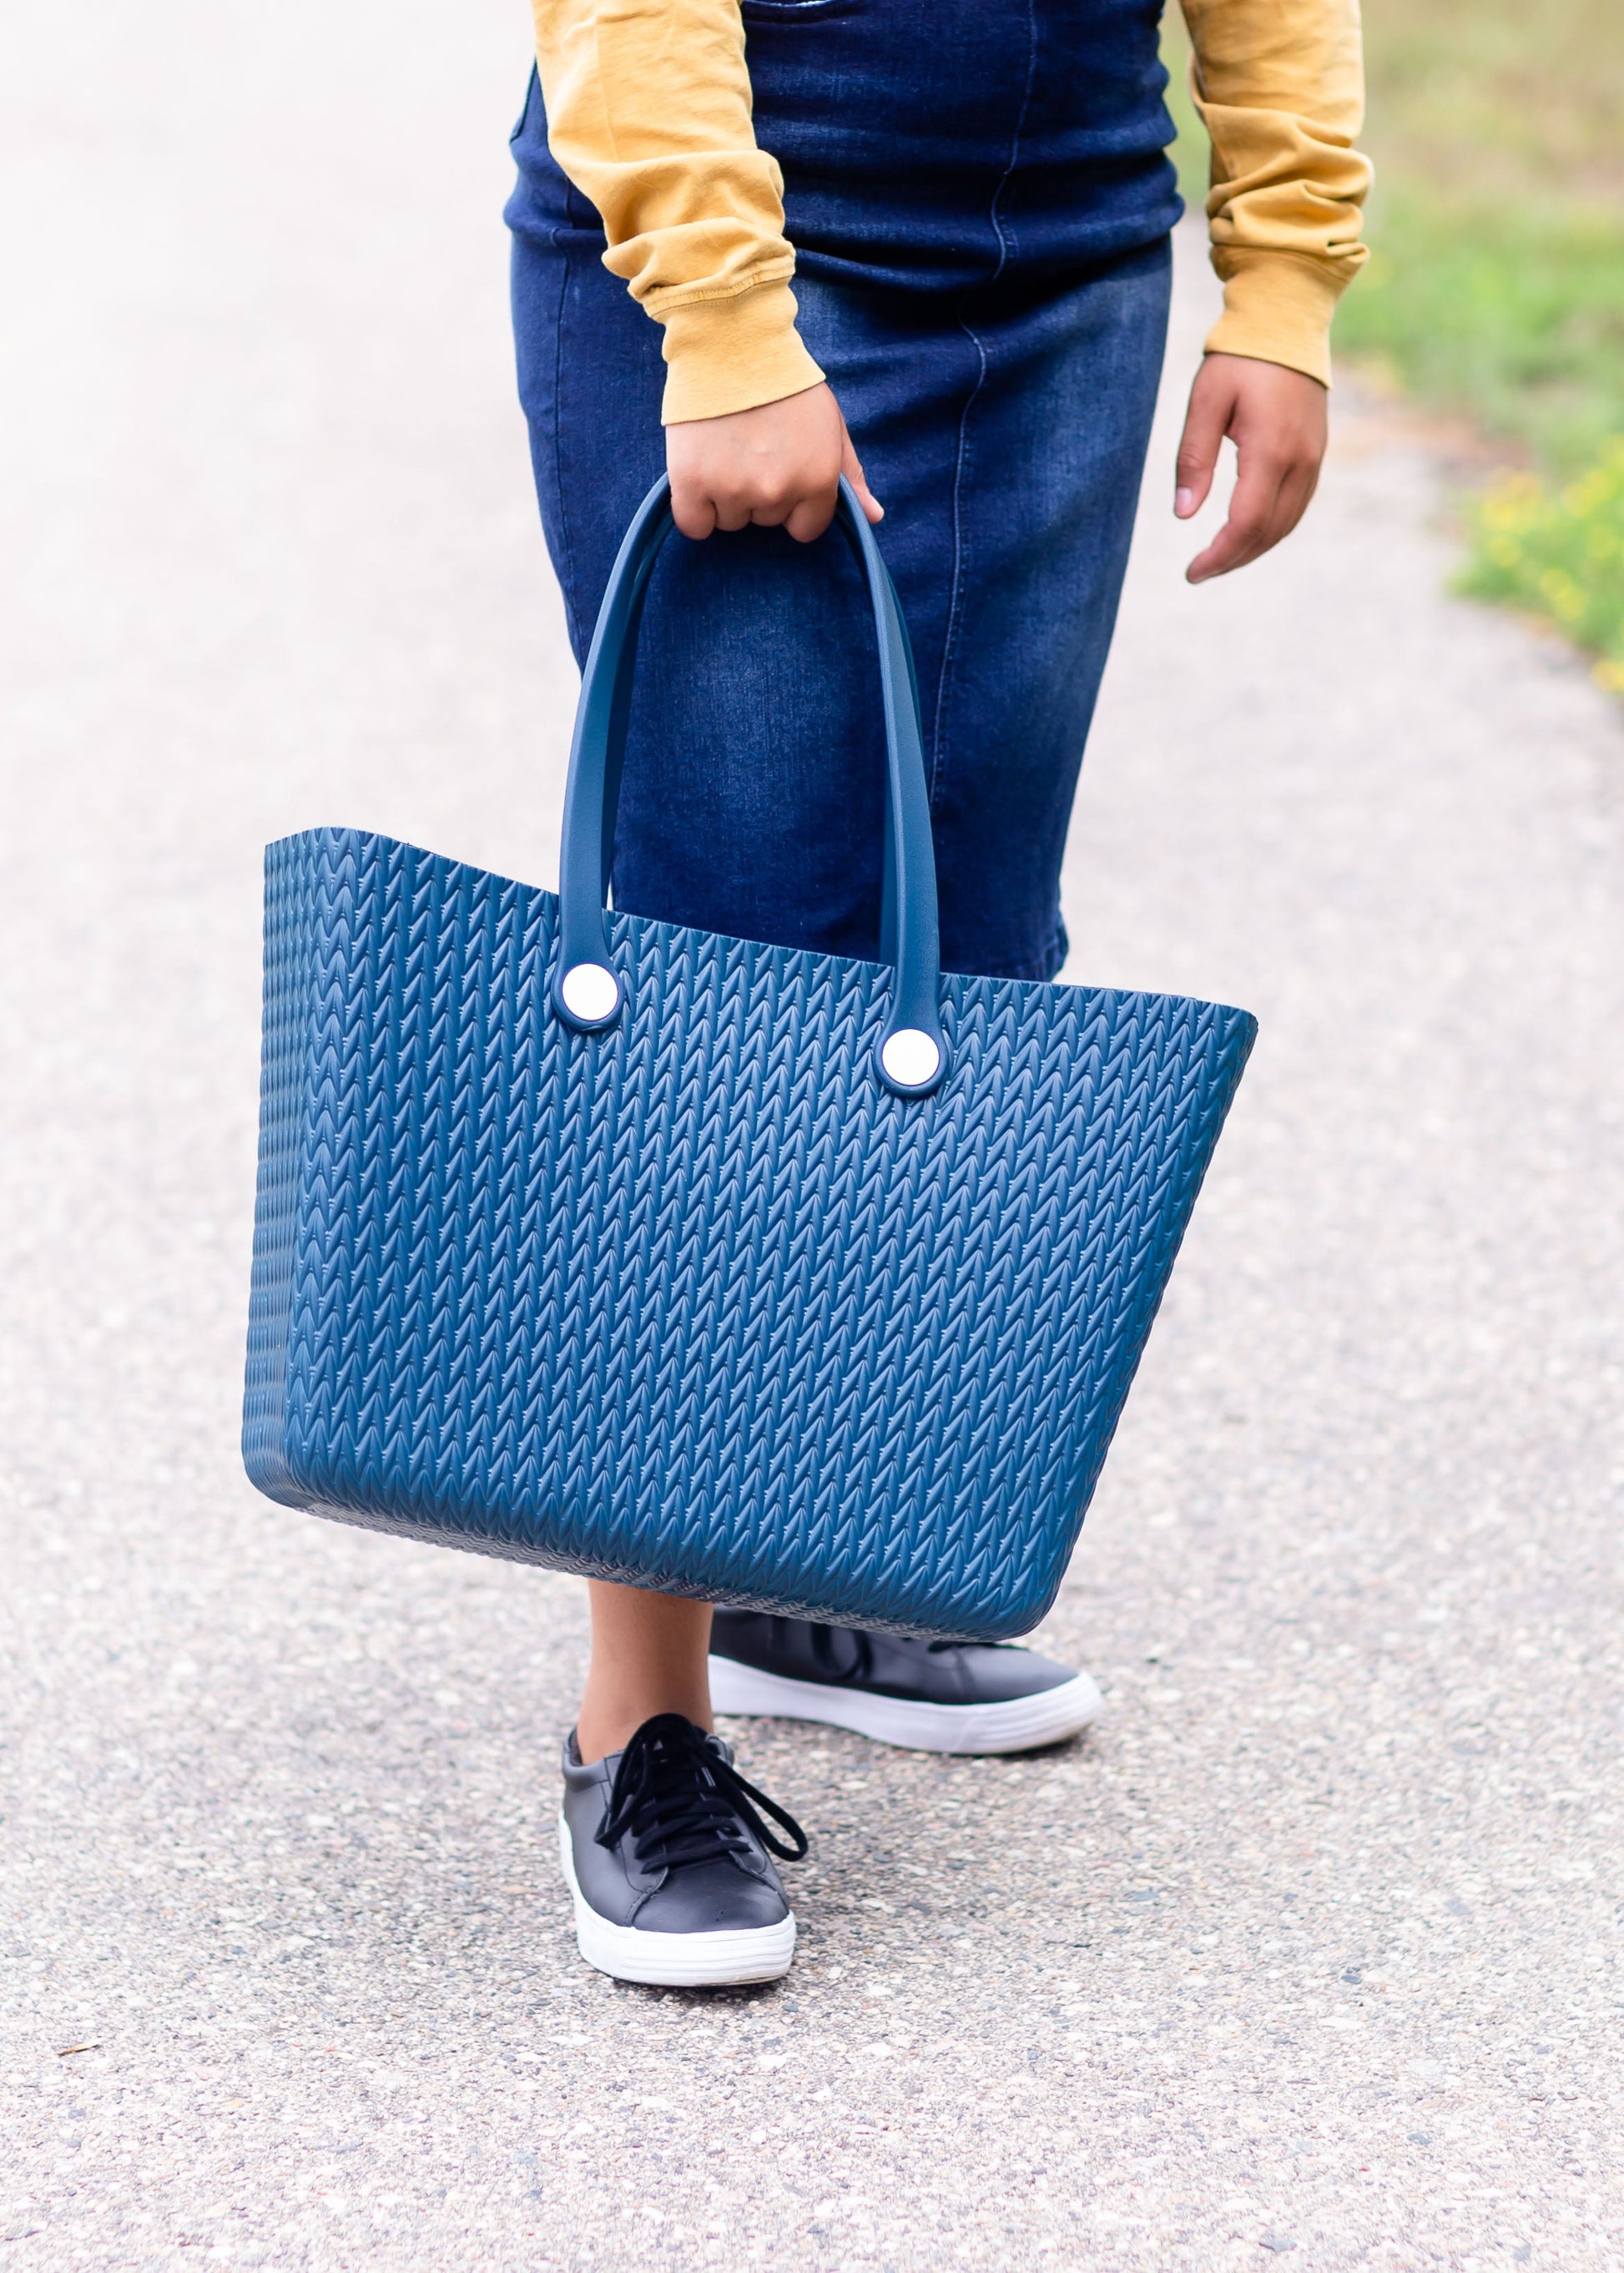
930,1696
667,1861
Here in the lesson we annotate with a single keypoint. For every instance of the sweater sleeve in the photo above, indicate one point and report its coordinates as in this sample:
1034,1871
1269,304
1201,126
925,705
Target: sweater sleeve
1279,85
648,114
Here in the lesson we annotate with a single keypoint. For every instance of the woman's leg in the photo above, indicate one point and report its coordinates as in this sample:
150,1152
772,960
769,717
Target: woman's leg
1006,445
1004,431
648,1656
594,454
750,733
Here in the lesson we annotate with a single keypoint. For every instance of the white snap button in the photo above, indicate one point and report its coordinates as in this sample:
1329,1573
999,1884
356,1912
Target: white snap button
910,1057
590,993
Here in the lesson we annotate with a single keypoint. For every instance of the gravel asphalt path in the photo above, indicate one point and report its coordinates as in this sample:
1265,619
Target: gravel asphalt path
1312,1951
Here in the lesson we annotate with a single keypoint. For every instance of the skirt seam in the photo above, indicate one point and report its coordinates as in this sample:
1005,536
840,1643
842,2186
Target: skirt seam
577,637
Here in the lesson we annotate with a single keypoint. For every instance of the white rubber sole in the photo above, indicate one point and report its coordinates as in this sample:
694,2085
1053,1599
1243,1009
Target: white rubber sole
675,1961
1018,1726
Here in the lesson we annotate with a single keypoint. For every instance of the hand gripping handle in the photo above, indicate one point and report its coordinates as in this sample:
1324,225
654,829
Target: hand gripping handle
588,992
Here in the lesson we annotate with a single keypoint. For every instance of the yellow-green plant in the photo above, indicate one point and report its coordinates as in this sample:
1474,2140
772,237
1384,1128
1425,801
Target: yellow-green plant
1559,551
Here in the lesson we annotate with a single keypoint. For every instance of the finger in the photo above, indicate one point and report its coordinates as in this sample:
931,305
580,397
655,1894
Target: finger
812,514
691,509
733,512
1237,543
851,465
1297,494
770,506
1297,485
1206,421
1247,530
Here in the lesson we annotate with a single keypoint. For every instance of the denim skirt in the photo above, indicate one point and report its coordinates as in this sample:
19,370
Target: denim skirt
980,201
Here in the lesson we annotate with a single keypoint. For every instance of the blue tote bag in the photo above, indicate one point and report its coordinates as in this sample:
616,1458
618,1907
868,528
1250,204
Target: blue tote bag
802,1283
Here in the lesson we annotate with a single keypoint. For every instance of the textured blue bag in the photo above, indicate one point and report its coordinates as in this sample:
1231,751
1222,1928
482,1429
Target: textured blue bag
796,1282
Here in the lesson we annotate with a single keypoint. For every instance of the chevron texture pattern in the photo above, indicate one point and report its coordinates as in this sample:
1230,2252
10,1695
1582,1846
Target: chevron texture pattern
697,1303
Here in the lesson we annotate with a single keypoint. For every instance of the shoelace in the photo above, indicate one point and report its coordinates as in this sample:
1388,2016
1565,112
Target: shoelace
681,1801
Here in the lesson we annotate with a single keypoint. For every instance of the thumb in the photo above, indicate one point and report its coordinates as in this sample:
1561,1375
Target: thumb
851,465
1206,423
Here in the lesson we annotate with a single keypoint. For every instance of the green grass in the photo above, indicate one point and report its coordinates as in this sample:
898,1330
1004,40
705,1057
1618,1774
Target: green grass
1496,281
1514,313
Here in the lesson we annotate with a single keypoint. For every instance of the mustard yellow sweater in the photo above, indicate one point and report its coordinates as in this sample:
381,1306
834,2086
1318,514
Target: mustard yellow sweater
648,114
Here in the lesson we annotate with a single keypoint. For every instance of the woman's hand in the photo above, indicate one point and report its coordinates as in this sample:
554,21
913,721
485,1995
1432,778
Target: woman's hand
779,465
1276,419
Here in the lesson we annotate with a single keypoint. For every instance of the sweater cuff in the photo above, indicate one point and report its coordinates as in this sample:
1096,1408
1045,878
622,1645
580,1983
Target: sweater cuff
1277,308
733,354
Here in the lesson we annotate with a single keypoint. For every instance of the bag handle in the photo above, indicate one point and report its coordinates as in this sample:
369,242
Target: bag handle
588,992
